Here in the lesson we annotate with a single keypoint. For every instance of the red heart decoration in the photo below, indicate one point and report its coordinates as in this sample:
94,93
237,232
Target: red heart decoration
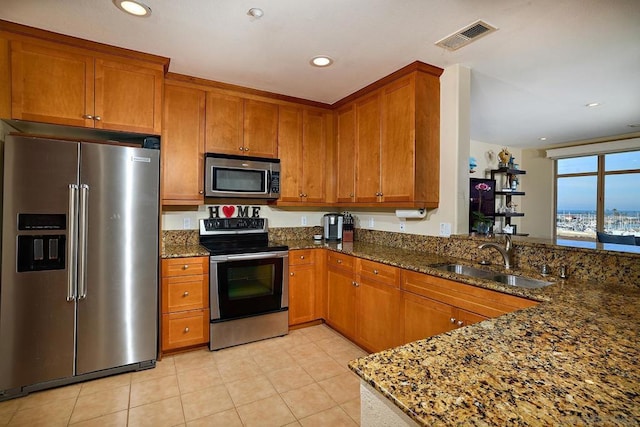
228,211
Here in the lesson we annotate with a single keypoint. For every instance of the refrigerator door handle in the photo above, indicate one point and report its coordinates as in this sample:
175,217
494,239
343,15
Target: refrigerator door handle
82,241
72,282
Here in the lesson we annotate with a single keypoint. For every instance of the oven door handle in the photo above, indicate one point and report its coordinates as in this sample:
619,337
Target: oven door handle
249,257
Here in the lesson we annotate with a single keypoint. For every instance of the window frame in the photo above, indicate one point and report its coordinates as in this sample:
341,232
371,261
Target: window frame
600,174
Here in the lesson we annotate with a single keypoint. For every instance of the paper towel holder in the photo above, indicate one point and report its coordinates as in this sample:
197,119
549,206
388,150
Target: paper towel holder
411,213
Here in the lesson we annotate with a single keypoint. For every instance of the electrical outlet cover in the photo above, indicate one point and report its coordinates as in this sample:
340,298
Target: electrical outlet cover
445,229
303,220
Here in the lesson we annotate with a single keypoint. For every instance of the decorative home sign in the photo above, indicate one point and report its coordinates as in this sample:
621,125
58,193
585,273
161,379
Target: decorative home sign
228,211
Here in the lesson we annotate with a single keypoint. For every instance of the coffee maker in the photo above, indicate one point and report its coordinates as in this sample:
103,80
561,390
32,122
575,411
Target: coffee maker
333,226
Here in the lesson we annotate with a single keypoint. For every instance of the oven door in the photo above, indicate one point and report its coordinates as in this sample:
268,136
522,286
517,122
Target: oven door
245,285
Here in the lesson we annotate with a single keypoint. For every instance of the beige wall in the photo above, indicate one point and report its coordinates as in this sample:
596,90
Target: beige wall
454,154
538,205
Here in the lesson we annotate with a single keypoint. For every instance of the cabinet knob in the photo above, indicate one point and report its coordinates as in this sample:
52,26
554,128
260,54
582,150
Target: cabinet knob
375,271
339,261
186,293
301,256
291,274
186,329
351,194
452,320
184,267
246,149
201,191
460,323
355,284
304,195
87,116
301,195
98,118
241,148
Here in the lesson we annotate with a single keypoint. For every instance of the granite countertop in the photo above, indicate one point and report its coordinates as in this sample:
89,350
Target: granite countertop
183,251
571,360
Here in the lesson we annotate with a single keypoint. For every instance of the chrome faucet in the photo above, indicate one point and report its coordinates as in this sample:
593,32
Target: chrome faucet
506,251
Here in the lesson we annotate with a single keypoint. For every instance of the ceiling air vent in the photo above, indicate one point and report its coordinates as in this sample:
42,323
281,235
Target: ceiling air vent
466,35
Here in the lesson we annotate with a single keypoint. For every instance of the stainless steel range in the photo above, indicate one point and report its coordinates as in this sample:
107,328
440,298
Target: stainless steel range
248,281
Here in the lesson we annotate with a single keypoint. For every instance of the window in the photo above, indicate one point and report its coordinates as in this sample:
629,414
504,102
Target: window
598,193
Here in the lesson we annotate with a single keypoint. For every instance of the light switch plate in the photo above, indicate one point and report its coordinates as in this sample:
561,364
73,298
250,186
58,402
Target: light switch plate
303,220
445,229
186,223
372,223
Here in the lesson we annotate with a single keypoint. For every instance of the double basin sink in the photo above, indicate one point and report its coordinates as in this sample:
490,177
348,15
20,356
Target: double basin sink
507,279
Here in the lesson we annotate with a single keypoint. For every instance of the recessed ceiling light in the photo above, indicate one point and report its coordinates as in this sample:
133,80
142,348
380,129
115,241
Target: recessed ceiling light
543,138
321,61
592,104
132,7
255,12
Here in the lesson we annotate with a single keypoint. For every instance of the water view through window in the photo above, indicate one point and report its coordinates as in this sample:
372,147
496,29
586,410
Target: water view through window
614,179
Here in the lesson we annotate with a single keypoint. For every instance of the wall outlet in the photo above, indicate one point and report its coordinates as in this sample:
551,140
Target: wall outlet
403,225
303,220
445,229
372,223
186,223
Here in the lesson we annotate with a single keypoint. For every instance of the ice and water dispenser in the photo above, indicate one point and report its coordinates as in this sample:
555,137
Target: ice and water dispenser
41,251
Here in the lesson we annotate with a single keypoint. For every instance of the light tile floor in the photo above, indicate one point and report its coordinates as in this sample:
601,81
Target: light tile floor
301,379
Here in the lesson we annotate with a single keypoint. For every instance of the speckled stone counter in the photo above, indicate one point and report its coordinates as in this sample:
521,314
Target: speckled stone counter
571,360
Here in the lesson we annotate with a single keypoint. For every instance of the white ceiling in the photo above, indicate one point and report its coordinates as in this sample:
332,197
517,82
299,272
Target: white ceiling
531,78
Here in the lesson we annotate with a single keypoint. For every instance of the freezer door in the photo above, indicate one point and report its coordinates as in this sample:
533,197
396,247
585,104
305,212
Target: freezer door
36,315
118,256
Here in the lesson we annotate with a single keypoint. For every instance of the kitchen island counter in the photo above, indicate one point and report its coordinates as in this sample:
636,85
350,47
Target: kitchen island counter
570,360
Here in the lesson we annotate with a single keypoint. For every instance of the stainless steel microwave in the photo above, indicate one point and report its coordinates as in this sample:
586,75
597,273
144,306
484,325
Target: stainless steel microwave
243,177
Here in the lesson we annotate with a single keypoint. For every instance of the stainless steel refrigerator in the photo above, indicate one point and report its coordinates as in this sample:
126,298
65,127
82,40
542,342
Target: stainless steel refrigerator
78,296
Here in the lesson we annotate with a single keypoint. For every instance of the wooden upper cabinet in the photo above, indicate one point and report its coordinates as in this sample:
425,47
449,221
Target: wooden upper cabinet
51,85
240,126
128,97
183,146
302,144
346,154
260,128
397,145
314,140
368,148
63,85
224,124
290,153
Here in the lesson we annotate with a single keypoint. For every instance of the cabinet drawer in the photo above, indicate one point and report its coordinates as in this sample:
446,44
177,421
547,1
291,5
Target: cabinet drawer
182,293
386,274
185,329
302,256
338,260
185,266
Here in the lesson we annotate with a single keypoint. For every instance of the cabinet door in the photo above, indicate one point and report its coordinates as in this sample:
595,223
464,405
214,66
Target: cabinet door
313,156
224,114
301,293
345,151
368,149
290,149
379,315
128,97
183,146
341,301
397,147
260,128
51,85
424,317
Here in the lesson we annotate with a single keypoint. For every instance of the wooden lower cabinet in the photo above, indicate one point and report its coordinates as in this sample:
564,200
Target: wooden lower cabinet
302,286
341,294
185,302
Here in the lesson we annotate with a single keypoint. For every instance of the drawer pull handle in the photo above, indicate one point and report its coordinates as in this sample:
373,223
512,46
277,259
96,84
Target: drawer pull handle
186,330
184,267
186,293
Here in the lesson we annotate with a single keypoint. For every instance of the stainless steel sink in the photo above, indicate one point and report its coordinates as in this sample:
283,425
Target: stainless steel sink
465,270
520,282
507,279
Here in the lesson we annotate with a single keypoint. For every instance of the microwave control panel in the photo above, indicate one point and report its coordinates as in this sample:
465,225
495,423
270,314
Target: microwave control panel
275,182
